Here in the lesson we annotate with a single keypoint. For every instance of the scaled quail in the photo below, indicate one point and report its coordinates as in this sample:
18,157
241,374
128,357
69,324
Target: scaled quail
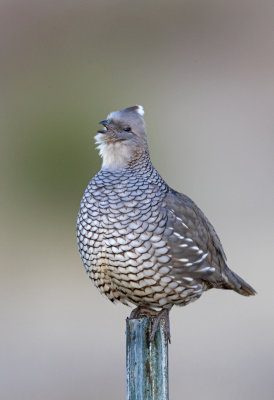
140,241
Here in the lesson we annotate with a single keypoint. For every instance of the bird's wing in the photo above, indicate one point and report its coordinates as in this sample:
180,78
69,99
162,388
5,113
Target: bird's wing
195,248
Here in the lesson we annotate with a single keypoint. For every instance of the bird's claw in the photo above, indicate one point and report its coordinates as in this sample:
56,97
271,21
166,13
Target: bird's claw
163,314
140,312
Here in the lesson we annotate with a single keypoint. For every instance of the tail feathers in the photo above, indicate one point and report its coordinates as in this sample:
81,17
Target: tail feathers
235,282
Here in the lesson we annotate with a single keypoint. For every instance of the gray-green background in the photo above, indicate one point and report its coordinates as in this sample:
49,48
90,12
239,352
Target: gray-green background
203,70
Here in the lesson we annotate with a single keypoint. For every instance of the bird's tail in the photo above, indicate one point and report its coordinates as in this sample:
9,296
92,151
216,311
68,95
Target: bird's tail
235,282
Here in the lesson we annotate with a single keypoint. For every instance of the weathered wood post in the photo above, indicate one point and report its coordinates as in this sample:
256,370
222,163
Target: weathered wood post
147,362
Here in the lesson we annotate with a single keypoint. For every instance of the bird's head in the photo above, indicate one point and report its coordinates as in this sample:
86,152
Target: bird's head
122,138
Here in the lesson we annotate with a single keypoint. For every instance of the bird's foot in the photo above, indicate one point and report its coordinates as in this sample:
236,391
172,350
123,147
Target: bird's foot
163,314
140,312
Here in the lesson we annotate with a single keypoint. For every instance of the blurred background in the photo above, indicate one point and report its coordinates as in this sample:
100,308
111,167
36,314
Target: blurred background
203,70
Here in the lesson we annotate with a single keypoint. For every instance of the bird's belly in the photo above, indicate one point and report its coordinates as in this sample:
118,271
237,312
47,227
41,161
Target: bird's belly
121,276
126,254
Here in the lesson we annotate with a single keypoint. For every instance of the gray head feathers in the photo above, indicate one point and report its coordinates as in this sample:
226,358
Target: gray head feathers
129,117
139,109
123,137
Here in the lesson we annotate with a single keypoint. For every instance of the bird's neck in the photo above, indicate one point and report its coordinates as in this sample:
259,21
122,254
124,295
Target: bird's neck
140,162
120,156
139,168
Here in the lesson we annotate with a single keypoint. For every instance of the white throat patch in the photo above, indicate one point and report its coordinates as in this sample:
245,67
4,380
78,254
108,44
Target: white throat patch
115,155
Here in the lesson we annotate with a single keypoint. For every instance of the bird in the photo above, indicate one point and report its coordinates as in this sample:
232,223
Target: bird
141,242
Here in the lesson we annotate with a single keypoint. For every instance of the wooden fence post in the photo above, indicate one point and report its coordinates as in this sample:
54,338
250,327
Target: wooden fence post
147,362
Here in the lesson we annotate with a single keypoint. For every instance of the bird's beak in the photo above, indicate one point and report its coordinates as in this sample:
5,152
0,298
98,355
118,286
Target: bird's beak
105,122
107,126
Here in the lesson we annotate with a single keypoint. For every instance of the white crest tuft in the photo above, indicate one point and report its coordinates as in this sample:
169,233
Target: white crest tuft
140,110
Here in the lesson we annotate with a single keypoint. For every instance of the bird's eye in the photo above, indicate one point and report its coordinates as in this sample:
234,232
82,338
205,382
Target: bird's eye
127,129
